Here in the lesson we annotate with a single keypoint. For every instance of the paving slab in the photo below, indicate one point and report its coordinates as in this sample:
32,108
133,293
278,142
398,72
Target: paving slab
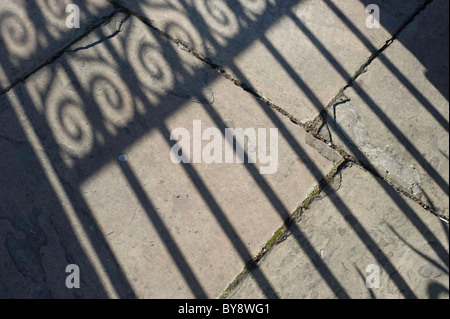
298,54
396,115
31,32
95,127
359,239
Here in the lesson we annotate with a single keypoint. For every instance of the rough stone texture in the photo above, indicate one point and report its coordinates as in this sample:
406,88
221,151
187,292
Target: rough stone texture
87,177
399,113
348,123
31,32
348,228
157,229
278,46
323,148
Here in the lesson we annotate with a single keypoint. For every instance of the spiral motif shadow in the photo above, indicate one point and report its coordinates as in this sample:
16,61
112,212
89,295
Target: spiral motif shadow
57,8
219,17
254,8
153,71
18,35
71,127
113,99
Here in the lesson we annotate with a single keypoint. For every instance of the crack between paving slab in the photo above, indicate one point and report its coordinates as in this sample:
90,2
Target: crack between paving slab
284,231
398,189
61,52
364,67
185,47
146,21
119,29
316,125
310,127
368,167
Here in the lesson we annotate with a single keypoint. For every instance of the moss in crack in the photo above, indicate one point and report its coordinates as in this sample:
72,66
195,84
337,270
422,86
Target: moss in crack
284,231
89,29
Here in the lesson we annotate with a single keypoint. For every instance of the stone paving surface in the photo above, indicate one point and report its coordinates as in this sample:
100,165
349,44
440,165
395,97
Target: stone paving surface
400,106
34,31
354,226
277,46
91,118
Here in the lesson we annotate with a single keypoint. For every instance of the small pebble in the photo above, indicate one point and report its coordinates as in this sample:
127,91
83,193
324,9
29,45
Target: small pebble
123,158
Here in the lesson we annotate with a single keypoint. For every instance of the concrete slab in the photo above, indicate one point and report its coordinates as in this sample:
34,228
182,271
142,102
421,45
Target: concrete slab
349,236
296,53
98,122
31,32
398,114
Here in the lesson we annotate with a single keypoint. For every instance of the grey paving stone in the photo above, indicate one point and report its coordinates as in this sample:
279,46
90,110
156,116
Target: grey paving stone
31,32
398,114
347,236
87,177
97,126
296,53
